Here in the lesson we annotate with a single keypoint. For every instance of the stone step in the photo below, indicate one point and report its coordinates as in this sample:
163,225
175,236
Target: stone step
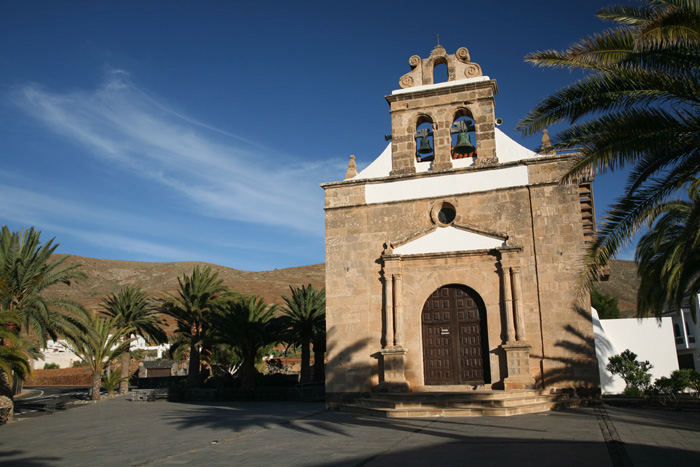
472,395
458,402
416,412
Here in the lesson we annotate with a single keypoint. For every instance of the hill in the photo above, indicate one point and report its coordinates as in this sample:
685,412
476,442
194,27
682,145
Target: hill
108,276
623,284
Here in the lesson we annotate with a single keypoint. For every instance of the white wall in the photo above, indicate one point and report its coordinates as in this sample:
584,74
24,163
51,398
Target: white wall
649,339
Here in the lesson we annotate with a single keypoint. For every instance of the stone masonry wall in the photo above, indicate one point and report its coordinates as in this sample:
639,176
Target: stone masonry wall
543,219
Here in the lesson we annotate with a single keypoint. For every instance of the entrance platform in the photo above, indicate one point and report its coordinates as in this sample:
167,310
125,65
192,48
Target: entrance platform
453,403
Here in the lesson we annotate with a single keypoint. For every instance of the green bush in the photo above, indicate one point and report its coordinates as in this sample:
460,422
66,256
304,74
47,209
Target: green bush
635,374
78,364
679,382
606,305
111,381
51,366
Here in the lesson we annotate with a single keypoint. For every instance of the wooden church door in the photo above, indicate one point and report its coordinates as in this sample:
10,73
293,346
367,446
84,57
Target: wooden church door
453,346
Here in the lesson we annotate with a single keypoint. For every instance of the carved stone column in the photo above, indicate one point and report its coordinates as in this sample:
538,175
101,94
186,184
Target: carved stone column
392,376
398,311
507,295
517,351
518,305
388,337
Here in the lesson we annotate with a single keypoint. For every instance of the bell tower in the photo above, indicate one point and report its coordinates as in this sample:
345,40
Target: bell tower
463,104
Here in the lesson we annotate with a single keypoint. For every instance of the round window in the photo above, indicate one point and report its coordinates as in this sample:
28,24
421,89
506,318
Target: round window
446,215
443,213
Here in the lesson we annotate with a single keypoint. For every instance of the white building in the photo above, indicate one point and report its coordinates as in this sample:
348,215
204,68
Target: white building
648,338
686,333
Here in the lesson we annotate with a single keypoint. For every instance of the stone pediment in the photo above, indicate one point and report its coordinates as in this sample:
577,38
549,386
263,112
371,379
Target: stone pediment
453,238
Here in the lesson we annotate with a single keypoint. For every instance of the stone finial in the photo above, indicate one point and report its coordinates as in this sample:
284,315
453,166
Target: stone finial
352,169
546,144
459,66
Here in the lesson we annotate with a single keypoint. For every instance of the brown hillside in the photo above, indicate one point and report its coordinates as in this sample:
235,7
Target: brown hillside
108,276
623,284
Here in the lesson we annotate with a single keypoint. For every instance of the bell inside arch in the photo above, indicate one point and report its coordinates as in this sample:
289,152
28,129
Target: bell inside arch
464,144
424,147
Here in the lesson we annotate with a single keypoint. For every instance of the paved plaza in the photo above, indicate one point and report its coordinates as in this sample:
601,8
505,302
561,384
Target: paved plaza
121,432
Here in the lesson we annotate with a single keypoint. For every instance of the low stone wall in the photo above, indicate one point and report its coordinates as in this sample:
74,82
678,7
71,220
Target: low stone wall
60,377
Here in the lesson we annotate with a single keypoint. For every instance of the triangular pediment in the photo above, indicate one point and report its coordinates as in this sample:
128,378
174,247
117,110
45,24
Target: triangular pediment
447,239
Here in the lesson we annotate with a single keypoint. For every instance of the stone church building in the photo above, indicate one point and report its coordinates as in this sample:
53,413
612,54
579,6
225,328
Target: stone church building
452,260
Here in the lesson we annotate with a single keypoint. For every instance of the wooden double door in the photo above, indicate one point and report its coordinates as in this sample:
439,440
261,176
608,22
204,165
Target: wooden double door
455,345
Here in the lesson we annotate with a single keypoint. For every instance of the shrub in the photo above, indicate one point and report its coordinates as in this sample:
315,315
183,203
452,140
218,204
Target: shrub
79,364
606,305
635,374
679,382
112,380
51,366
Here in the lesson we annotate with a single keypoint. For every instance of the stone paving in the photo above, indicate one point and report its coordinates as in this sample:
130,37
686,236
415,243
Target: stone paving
121,432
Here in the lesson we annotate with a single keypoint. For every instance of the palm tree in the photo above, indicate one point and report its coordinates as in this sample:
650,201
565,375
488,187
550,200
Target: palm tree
134,313
13,360
305,313
27,270
637,105
248,325
668,256
100,343
196,298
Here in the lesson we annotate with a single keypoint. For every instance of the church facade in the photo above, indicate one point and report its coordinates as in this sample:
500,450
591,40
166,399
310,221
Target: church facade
453,260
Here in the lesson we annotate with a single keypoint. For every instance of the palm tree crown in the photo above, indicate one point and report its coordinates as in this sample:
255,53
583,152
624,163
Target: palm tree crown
637,105
305,314
197,297
248,325
669,256
134,313
26,271
100,343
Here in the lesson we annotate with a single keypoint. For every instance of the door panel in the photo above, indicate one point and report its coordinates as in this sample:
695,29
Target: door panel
452,342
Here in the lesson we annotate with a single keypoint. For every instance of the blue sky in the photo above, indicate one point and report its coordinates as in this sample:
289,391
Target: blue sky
182,130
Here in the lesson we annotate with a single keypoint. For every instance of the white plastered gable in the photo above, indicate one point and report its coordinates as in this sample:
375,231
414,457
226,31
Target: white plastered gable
454,238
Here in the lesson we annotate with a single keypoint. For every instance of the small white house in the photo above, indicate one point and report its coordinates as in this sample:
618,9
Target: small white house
686,335
649,338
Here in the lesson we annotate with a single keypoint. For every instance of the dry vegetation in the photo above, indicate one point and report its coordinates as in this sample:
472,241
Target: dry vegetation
108,276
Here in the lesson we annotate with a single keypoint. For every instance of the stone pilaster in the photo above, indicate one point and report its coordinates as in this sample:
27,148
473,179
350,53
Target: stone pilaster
518,362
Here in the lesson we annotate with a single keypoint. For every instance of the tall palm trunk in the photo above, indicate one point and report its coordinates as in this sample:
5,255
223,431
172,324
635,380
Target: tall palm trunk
124,384
305,360
319,364
193,370
5,386
96,384
248,371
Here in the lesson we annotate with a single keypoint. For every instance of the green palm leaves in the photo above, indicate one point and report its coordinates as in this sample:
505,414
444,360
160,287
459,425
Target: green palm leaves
100,343
637,105
248,325
669,256
305,317
133,313
27,270
197,297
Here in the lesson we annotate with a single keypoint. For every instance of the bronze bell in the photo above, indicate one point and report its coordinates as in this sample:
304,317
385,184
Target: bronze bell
425,146
464,144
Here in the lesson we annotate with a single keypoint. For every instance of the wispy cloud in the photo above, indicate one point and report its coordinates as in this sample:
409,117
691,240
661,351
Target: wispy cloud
225,176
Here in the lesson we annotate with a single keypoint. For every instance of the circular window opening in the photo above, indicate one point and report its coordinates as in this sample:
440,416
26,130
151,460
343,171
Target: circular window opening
443,214
447,214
